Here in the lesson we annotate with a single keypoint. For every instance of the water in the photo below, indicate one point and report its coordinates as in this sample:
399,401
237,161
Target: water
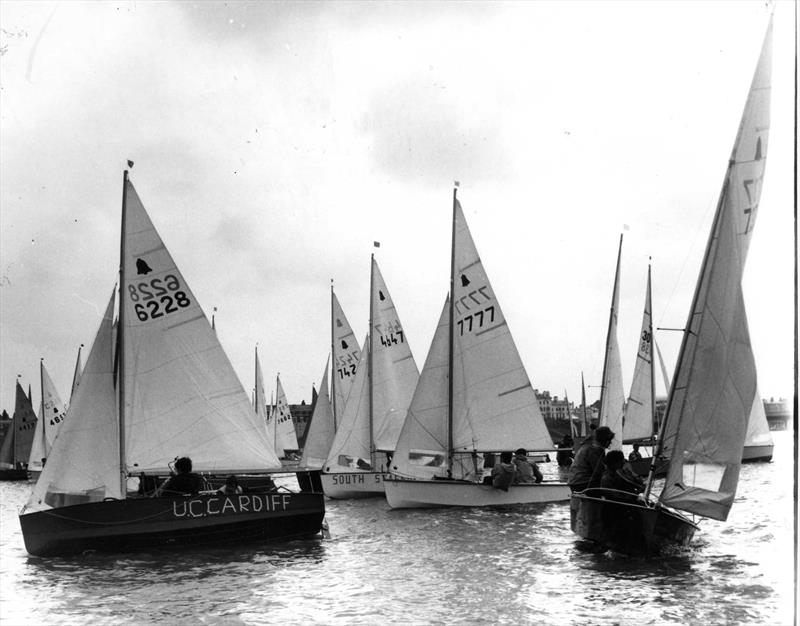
426,567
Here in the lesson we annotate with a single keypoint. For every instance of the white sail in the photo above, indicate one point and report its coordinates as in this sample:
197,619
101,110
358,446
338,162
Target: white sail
285,433
715,381
639,410
421,449
352,439
346,355
260,404
49,423
758,433
663,367
181,394
84,459
393,371
612,395
320,431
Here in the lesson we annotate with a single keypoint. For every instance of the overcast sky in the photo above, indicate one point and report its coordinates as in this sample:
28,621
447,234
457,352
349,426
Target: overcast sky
274,142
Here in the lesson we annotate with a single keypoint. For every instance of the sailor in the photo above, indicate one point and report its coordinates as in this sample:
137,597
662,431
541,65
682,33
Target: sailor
565,454
619,477
231,486
527,472
183,481
587,469
635,455
503,472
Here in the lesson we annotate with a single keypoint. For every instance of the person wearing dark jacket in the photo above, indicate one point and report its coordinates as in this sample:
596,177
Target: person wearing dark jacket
587,468
527,472
503,473
184,481
617,476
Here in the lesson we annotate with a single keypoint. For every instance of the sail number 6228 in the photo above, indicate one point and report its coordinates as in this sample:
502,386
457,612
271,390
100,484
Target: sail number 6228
157,297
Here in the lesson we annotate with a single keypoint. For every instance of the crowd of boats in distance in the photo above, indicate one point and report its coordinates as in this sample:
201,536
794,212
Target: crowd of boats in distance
157,382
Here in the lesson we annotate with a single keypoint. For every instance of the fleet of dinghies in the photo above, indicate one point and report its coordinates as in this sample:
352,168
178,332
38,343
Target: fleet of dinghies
157,385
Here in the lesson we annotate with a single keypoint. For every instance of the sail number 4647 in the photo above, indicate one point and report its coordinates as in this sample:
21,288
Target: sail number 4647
157,297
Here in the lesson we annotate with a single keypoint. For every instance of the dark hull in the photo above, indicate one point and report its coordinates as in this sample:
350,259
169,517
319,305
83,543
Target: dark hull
757,454
13,474
612,520
152,523
310,481
642,467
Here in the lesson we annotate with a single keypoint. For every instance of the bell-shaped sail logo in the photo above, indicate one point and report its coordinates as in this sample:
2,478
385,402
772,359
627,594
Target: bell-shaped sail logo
142,268
338,323
381,296
344,345
464,280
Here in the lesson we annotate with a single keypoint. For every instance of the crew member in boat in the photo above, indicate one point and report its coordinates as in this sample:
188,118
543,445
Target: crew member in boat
617,476
183,481
527,472
231,486
504,471
635,455
565,454
587,469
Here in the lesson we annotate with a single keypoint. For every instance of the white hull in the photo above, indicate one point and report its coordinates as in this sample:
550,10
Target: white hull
348,485
420,494
757,453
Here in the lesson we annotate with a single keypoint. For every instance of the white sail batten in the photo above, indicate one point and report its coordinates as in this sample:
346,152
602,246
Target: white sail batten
494,405
320,431
394,371
612,395
83,465
715,381
346,355
351,444
639,409
182,396
421,448
285,433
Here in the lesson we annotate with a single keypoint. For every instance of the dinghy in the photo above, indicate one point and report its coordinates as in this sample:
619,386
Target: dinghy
473,399
18,441
384,383
714,386
168,390
51,415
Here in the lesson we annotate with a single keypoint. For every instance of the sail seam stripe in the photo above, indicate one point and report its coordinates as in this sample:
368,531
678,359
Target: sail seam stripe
405,358
191,319
505,393
156,249
486,330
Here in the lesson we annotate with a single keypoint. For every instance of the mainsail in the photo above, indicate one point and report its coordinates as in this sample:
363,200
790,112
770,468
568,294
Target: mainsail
51,417
181,394
285,433
260,403
346,354
612,393
715,381
320,430
640,408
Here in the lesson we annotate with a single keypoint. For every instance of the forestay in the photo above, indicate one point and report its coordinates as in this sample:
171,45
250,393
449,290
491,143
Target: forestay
182,396
715,383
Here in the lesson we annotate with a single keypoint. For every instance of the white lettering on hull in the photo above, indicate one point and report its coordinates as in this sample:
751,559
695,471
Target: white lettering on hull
230,505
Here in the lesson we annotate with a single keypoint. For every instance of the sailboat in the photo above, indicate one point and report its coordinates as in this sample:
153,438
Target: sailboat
51,416
168,389
758,444
714,385
16,447
639,424
384,383
346,355
473,399
612,394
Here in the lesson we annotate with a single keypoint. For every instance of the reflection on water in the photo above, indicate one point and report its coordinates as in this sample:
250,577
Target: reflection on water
416,566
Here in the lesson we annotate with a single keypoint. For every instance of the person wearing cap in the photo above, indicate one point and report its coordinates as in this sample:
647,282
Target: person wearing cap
527,472
587,468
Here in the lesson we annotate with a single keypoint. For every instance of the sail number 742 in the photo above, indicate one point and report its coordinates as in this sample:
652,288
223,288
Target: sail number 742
157,297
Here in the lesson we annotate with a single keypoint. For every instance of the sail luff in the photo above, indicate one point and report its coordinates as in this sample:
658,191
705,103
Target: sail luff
450,347
120,353
612,397
370,391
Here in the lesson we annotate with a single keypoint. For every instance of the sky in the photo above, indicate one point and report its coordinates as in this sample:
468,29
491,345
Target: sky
274,143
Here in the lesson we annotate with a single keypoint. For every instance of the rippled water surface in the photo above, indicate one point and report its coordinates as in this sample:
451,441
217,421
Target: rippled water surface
417,567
